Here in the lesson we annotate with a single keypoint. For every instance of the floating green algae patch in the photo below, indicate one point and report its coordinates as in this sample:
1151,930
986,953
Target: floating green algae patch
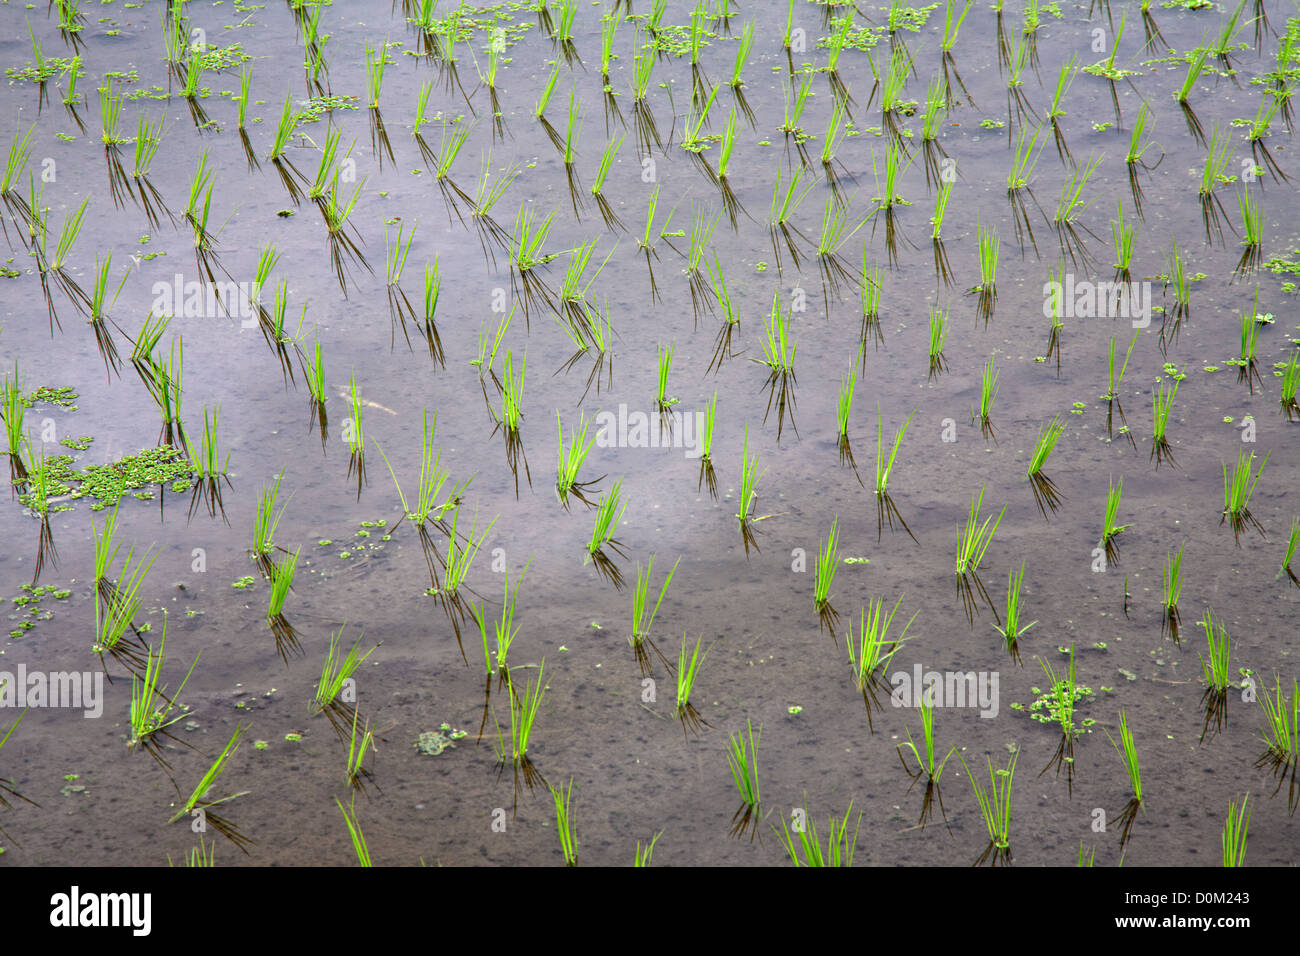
106,485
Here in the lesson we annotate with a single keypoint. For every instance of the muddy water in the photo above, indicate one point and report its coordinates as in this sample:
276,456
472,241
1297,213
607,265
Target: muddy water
635,774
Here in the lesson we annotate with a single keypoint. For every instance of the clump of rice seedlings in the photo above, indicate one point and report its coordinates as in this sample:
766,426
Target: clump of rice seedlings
1045,491
872,651
359,745
995,808
701,236
487,193
736,82
779,348
941,267
1110,531
640,639
840,846
722,346
1195,67
706,424
1281,734
241,118
286,637
1125,748
597,188
152,710
336,208
1235,829
988,392
290,177
1172,587
728,144
1012,630
1061,697
1252,224
1214,170
972,543
938,337
1172,322
399,304
936,106
687,673
1224,46
164,383
527,258
645,244
1290,381
562,34
886,510
20,151
432,292
892,104
749,475
265,521
335,691
13,410
665,364
795,102
456,570
1247,366
987,290
609,511
647,131
52,263
1125,238
1237,492
1069,70
1133,158
315,376
523,717
1068,206
564,824
1024,157
643,854
570,463
889,198
504,633
1271,101
828,563
784,203
358,838
928,766
873,281
1214,702
835,234
452,141
105,553
951,24
742,758
843,408
202,807
1292,543
208,466
838,35
354,434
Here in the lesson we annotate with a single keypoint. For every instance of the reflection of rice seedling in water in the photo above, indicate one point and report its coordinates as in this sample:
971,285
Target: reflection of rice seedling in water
749,475
972,543
336,685
354,832
938,336
988,391
872,652
1237,493
570,463
995,807
1292,542
523,715
152,710
687,672
564,824
1234,833
1290,381
885,507
286,637
208,466
609,510
1109,530
840,847
200,805
1281,734
827,564
641,625
742,758
164,383
1126,817
1061,696
643,854
1012,629
1045,490
38,500
1214,702
927,766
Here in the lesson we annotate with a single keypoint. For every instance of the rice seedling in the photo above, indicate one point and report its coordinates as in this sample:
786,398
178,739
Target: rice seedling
987,291
52,263
40,490
523,717
1224,46
452,141
148,138
201,806
942,269
779,349
1012,630
456,569
1237,492
19,152
164,381
563,32
13,410
208,466
1292,543
1023,53
988,392
1069,204
840,846
972,544
872,652
827,565
687,673
1046,493
1055,310
936,108
951,24
869,291
795,102
1290,382
1214,702
153,711
643,855
335,695
640,638
995,808
928,765
570,463
647,131
892,103
290,177
885,507
889,198
286,636
742,758
1182,296
356,775
1125,238
1252,224
665,364
1024,158
1271,102
265,521
354,434
783,205
1234,833
938,337
1247,366
564,824
835,234
1087,855
1069,70
843,408
1062,694
1281,734
609,511
358,838
1214,170
1110,531
1125,748
527,257
1133,158
749,475
597,188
